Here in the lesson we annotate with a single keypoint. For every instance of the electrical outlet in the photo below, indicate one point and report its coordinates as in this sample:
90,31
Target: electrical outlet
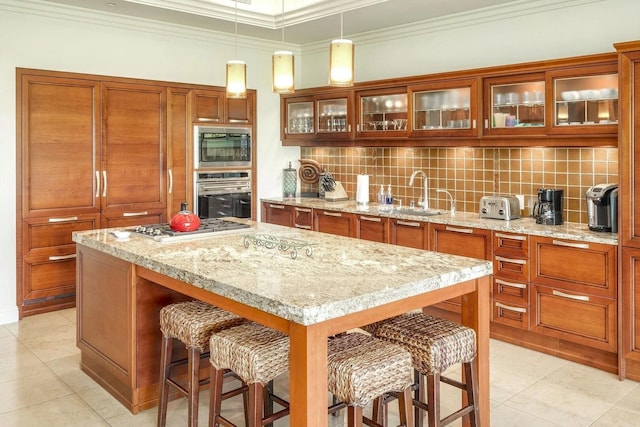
520,198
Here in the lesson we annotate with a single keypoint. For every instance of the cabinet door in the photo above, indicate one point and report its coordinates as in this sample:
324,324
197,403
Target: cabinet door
134,148
240,110
340,223
59,137
631,310
412,234
372,228
208,106
463,241
298,116
335,115
382,113
276,213
303,218
180,146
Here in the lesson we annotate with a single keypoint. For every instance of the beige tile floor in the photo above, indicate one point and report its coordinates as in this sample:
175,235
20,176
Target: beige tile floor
42,385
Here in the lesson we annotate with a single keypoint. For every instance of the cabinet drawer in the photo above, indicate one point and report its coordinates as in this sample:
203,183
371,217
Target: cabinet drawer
412,234
44,233
582,267
510,314
581,318
511,291
510,244
463,241
332,222
50,277
303,218
511,268
372,228
275,213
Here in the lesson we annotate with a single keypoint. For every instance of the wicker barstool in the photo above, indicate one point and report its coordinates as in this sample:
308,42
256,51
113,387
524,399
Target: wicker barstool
257,355
192,323
435,344
362,368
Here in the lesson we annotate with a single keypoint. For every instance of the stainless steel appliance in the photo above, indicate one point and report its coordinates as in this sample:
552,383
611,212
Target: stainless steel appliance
602,207
163,233
222,146
548,209
220,194
500,207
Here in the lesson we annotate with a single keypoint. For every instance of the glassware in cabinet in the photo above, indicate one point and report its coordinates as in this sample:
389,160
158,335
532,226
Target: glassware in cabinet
587,101
383,112
518,105
299,118
442,109
333,116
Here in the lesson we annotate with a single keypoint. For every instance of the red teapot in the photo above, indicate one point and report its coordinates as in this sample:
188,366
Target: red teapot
184,220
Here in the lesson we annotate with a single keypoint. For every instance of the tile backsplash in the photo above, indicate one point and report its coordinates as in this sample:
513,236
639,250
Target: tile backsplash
470,173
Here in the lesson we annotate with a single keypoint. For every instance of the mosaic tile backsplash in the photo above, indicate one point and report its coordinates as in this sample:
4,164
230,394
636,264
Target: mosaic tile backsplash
470,173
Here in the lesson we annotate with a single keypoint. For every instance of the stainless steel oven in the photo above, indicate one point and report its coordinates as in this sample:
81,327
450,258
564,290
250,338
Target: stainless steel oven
222,147
220,194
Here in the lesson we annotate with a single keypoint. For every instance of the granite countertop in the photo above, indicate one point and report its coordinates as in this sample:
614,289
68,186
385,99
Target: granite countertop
342,275
568,230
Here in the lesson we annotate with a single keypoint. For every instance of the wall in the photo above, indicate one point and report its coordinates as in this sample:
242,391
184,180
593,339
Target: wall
470,173
38,35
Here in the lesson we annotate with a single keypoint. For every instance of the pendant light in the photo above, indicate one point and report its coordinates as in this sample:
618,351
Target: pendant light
236,71
341,60
282,67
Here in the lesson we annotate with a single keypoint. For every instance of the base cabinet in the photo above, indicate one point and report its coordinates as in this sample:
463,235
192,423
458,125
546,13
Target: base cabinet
372,228
511,266
412,234
276,213
333,222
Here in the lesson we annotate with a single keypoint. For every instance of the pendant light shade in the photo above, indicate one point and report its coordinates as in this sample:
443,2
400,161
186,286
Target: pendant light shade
236,72
236,79
341,63
282,67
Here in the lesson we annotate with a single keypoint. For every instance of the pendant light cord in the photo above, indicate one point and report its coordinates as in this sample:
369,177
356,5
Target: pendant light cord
341,19
236,37
282,23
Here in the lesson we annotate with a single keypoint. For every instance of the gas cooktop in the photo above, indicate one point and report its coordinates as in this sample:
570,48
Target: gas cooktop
163,233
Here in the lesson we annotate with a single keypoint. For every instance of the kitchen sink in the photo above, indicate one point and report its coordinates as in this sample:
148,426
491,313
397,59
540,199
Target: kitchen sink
417,212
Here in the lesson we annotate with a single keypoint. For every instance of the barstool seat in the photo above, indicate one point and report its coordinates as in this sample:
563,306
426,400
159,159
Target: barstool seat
191,323
362,368
435,344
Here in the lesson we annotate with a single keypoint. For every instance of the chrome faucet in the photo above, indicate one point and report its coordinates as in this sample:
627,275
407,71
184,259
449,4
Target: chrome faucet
425,197
453,202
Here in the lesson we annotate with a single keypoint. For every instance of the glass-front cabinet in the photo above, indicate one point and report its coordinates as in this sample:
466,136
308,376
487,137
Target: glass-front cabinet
515,105
585,99
298,116
316,117
383,113
444,108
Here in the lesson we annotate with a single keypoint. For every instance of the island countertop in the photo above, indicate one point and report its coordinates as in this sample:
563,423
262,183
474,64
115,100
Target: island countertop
341,276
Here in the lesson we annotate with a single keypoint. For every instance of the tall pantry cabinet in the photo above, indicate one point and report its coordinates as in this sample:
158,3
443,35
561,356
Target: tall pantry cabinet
90,154
629,234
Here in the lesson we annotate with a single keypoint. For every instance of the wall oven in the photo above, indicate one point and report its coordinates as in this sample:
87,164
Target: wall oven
222,146
220,194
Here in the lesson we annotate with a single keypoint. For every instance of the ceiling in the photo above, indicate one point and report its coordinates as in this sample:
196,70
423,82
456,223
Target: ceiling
305,21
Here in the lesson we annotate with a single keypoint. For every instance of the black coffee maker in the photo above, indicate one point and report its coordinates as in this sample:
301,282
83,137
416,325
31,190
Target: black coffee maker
548,209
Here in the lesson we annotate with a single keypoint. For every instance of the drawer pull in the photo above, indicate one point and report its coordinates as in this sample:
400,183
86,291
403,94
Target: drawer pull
61,257
371,218
304,227
571,245
459,230
512,261
276,206
507,236
509,307
129,214
302,210
69,218
513,285
576,297
332,213
408,224
97,184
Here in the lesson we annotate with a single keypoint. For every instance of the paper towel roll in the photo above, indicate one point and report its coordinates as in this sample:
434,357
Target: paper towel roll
362,190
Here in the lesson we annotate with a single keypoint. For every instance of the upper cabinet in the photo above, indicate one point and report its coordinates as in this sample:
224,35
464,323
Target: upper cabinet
212,106
566,102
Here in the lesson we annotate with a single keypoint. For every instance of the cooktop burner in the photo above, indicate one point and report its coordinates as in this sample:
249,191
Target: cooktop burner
162,232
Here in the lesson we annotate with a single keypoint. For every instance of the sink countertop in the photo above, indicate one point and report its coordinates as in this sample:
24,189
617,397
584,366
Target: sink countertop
342,275
568,230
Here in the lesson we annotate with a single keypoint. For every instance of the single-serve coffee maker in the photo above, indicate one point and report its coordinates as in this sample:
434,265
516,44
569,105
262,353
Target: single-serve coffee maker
602,207
548,209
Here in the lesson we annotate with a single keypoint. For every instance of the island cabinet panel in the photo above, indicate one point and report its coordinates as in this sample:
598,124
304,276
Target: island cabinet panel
372,228
463,241
303,218
333,222
574,292
412,234
511,267
279,214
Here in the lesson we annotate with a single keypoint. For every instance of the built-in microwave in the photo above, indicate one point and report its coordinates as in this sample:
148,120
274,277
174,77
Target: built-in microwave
222,146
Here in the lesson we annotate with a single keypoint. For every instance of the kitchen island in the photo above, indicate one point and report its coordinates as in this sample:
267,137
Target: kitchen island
333,284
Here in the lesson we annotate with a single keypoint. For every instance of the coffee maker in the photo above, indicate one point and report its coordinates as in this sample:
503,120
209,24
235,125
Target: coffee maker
602,207
548,209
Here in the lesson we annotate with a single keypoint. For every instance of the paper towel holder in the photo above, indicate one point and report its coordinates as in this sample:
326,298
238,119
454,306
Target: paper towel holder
362,191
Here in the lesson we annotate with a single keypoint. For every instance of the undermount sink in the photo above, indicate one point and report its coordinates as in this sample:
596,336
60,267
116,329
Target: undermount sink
417,212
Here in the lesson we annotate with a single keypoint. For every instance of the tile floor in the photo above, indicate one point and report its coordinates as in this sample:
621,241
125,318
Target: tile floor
41,384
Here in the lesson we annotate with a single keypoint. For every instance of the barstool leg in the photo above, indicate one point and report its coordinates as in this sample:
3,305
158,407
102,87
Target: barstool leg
165,364
354,416
420,396
194,385
404,407
433,392
472,392
255,404
215,398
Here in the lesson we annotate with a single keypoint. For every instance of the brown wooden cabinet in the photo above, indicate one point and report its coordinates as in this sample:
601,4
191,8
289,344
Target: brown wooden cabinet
277,213
180,147
574,292
212,105
413,234
372,228
334,222
303,218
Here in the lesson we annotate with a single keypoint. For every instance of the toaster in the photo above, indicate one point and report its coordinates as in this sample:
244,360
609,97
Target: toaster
500,207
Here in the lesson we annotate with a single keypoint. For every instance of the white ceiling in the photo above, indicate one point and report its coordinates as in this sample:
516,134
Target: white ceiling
305,21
